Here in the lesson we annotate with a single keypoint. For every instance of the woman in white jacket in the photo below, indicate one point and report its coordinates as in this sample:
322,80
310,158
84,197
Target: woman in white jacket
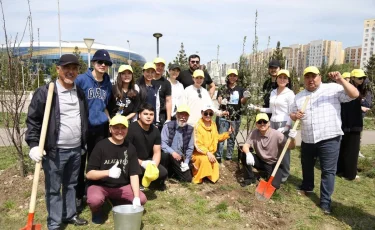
281,99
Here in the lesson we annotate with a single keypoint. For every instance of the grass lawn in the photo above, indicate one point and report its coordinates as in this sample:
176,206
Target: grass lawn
224,205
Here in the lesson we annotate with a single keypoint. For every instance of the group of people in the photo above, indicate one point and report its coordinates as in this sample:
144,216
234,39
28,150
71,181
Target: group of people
104,140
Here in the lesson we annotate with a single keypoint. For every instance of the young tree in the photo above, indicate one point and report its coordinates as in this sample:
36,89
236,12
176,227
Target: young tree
82,64
370,68
181,59
278,55
52,71
137,70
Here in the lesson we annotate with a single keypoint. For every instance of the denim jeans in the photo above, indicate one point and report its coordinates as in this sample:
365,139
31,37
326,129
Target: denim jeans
61,171
223,126
328,153
285,171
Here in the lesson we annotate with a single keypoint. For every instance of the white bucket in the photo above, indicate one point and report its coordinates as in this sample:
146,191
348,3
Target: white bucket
127,218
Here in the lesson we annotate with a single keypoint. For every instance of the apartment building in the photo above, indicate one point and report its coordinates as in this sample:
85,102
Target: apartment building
325,51
353,55
368,43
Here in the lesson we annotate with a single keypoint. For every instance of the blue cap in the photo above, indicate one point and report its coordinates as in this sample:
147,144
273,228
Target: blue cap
102,55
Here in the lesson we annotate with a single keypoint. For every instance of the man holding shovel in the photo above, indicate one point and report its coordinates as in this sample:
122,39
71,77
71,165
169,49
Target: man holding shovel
321,129
66,136
268,144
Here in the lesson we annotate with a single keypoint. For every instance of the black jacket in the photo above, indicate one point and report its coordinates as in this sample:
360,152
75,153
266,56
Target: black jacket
35,119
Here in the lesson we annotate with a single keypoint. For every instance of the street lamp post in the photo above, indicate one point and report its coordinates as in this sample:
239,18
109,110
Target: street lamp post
157,36
58,13
88,42
129,60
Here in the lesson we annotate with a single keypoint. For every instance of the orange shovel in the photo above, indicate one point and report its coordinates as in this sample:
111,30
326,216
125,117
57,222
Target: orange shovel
30,218
265,189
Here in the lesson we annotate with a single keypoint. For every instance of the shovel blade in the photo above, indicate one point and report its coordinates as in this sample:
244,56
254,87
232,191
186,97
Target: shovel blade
33,227
264,190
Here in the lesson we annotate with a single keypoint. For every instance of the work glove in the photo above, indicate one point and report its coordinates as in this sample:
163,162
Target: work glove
35,154
252,107
145,163
165,122
283,129
246,94
115,171
292,133
250,159
136,202
224,101
184,167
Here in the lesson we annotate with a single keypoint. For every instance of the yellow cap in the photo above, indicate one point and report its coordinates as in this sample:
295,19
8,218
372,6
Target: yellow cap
283,71
345,75
234,71
198,73
357,73
122,68
311,69
183,108
159,60
149,65
261,116
151,174
119,119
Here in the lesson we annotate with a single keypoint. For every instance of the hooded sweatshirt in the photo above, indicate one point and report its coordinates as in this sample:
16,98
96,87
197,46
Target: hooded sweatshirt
97,96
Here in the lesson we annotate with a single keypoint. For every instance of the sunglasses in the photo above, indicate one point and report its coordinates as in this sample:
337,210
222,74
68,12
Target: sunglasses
199,93
103,62
361,78
260,122
208,113
197,62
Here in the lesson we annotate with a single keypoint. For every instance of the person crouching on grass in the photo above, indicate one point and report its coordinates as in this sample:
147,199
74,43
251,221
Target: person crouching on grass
113,171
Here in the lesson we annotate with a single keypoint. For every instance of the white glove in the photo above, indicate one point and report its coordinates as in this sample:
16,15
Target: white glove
246,94
166,121
145,163
184,167
292,133
283,129
115,171
250,159
224,101
253,107
136,202
35,154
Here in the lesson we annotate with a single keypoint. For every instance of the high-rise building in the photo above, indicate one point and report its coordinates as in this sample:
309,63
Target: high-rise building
325,51
353,55
296,57
368,43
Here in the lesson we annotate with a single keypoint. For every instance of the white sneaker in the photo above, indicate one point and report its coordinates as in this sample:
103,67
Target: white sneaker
361,155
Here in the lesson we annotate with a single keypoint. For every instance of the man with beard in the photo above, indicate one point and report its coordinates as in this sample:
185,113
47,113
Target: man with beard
186,76
177,144
270,84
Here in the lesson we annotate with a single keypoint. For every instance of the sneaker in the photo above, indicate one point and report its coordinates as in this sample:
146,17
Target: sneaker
248,182
326,209
218,160
301,189
228,159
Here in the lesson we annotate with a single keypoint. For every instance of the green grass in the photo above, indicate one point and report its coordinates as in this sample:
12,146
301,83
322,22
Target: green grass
7,157
369,123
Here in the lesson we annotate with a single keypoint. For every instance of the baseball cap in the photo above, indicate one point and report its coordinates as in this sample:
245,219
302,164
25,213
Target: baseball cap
149,65
151,174
159,60
175,66
102,55
119,119
207,107
283,71
198,73
311,69
274,63
183,108
345,75
67,59
357,73
122,68
234,71
261,116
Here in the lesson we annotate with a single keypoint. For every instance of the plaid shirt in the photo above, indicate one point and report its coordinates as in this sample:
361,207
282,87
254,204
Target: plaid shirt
322,120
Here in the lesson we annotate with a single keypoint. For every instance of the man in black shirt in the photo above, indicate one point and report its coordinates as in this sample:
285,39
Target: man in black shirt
186,76
165,92
146,139
270,84
113,171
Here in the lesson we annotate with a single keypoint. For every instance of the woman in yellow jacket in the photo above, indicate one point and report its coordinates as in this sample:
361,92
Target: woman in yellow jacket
206,138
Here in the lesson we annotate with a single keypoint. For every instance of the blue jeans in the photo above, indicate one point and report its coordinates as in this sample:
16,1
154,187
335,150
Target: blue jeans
223,126
61,170
328,153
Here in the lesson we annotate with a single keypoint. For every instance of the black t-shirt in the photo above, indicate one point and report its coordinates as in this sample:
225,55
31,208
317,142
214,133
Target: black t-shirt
234,97
268,86
165,89
124,105
143,140
186,78
106,154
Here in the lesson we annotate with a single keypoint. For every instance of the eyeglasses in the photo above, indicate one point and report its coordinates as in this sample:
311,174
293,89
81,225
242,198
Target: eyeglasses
199,93
197,62
208,113
361,78
103,62
260,122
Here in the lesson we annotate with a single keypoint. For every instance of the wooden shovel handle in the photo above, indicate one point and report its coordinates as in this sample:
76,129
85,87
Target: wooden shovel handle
41,146
289,140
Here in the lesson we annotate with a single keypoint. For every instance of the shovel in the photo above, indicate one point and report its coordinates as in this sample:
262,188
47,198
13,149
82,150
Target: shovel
265,189
30,218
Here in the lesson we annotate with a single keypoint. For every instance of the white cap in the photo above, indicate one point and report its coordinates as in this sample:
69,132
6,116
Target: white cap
207,107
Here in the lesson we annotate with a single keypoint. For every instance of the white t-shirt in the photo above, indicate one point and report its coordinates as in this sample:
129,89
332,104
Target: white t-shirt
177,94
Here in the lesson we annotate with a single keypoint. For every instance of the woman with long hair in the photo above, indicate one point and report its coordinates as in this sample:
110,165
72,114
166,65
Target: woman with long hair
125,99
352,125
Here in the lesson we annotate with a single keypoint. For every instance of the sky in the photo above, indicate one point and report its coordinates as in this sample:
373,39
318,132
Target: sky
201,25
